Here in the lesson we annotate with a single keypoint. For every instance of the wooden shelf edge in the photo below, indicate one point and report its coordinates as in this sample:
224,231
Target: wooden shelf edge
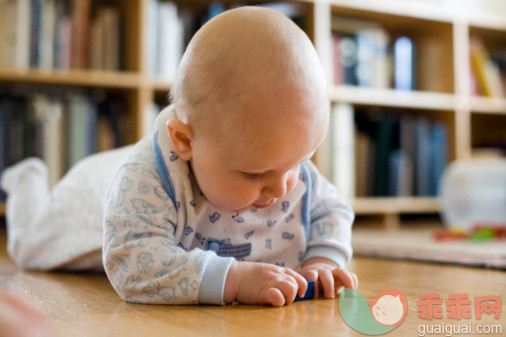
395,205
413,10
88,78
393,98
487,21
488,105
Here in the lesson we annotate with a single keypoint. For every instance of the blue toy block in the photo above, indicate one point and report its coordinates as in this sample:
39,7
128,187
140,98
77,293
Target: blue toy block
309,292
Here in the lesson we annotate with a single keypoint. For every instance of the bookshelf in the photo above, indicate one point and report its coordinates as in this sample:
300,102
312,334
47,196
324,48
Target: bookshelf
442,92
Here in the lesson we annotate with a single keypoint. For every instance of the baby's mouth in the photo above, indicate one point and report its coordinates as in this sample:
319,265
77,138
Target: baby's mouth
259,206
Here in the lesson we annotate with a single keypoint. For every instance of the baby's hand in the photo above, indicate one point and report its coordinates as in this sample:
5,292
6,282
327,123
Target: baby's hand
262,283
328,275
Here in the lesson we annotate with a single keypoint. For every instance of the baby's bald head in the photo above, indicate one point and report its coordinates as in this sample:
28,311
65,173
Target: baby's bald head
249,54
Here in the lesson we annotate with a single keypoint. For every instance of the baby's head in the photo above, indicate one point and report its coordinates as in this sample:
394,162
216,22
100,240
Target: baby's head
252,105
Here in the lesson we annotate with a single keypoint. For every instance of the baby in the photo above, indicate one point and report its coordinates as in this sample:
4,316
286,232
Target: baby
221,203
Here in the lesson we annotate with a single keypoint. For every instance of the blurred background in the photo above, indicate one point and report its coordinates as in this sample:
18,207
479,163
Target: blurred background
414,85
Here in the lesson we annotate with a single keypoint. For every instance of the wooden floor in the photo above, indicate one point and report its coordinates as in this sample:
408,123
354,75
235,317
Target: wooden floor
82,304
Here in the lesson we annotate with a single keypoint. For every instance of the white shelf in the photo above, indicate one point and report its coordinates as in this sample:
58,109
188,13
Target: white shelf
395,205
488,105
393,98
74,78
398,8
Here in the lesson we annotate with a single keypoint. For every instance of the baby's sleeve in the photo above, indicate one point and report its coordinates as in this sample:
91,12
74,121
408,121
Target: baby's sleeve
141,256
330,219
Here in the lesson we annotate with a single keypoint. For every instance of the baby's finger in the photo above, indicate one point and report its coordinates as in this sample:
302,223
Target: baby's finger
355,280
271,296
301,281
288,287
309,274
327,281
344,277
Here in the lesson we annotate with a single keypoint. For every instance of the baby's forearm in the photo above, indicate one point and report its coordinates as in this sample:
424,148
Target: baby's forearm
231,284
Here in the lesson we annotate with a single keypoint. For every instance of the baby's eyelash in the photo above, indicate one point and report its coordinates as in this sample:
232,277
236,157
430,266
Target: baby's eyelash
252,176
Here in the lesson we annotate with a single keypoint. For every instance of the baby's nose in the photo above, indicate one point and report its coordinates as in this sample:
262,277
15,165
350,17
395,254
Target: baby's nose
277,188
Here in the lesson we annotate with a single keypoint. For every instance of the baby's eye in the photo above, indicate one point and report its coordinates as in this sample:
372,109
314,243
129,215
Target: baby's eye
252,176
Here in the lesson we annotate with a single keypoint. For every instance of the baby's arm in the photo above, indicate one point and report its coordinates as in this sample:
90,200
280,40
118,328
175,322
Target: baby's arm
142,258
329,241
262,283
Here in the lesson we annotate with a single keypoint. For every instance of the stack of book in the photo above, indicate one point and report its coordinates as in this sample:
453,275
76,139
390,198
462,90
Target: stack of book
486,76
167,33
361,55
60,126
59,34
379,154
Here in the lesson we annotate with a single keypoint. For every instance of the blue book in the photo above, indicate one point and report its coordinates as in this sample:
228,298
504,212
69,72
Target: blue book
384,144
404,67
399,174
348,58
35,45
439,151
214,9
365,57
423,158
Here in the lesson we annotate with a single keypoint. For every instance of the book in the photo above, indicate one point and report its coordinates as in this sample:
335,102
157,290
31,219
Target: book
486,72
151,37
342,147
35,32
372,58
111,37
49,116
408,147
80,33
47,34
337,69
363,150
170,40
439,155
384,144
8,42
360,52
77,127
15,34
348,59
423,157
404,64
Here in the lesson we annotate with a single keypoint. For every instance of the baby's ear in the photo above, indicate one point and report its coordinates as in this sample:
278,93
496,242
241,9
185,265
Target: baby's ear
181,136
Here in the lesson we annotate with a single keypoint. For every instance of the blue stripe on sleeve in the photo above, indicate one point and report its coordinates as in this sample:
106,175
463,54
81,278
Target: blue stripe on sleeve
162,169
306,200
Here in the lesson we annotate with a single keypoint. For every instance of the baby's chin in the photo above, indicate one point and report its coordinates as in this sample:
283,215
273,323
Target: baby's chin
242,210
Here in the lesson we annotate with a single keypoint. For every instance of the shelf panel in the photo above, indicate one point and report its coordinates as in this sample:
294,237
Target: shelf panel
88,78
396,8
488,105
395,205
161,85
393,98
486,21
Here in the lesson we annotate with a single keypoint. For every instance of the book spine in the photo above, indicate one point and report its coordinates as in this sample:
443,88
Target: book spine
23,20
36,6
403,64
